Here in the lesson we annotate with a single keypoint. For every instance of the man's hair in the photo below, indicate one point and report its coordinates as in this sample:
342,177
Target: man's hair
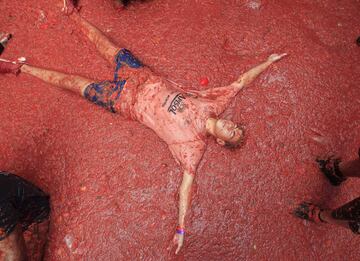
238,144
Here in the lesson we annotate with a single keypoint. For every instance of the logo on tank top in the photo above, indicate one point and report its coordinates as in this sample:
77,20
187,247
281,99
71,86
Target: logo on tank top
177,104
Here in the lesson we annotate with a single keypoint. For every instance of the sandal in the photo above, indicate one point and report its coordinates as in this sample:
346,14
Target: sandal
330,168
4,38
309,211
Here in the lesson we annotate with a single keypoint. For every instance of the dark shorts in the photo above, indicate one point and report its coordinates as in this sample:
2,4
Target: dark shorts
107,93
349,212
20,203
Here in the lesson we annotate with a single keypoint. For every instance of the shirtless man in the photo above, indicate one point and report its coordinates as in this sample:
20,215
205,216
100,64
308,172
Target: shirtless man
183,119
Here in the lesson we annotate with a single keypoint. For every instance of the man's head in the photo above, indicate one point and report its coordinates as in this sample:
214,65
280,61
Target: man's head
226,132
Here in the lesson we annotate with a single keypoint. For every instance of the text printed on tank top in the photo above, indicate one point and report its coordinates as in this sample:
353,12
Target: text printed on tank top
177,104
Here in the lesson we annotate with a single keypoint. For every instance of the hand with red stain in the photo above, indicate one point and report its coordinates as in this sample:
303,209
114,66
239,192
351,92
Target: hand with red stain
179,241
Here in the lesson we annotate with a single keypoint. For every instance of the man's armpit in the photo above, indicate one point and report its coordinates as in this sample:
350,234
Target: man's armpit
188,154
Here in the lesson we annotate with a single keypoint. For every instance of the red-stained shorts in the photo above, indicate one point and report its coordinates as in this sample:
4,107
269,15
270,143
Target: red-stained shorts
129,70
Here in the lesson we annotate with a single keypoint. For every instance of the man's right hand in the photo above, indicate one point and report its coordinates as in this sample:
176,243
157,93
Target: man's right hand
178,240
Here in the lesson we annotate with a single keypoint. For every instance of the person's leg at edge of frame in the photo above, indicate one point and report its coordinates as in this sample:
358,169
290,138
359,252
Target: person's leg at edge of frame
347,216
44,240
350,168
337,171
348,213
13,246
326,217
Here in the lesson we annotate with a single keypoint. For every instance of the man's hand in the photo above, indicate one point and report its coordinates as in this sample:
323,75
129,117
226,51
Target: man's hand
276,57
179,241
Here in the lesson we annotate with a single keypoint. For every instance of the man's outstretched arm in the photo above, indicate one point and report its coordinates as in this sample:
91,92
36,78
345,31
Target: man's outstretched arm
184,202
224,94
250,75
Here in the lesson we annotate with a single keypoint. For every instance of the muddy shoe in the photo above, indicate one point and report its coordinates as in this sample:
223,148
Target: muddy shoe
330,168
309,211
4,39
9,67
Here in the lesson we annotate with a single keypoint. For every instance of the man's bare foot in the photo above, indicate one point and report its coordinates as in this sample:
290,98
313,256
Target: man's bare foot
276,57
69,8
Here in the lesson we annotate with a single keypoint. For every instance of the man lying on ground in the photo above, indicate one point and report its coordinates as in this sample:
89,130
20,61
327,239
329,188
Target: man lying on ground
184,119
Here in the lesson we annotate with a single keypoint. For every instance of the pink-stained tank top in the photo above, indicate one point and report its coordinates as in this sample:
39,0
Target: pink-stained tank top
176,116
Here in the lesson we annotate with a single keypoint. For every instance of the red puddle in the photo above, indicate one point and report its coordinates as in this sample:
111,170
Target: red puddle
114,183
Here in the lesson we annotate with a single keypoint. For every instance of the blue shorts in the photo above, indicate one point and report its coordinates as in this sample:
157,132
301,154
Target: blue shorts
107,93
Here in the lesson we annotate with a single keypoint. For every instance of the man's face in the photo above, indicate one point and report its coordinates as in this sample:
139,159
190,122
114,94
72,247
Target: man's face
227,131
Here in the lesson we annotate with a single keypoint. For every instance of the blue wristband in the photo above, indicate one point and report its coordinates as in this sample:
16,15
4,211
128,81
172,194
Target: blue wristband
180,231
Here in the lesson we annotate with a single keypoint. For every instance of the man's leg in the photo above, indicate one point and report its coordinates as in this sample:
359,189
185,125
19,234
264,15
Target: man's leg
110,51
223,95
73,83
102,43
105,93
13,246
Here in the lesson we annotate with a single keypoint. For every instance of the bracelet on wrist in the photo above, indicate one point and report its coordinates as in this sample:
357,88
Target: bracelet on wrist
180,231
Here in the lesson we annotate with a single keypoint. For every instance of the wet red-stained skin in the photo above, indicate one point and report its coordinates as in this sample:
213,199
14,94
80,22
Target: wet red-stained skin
114,183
